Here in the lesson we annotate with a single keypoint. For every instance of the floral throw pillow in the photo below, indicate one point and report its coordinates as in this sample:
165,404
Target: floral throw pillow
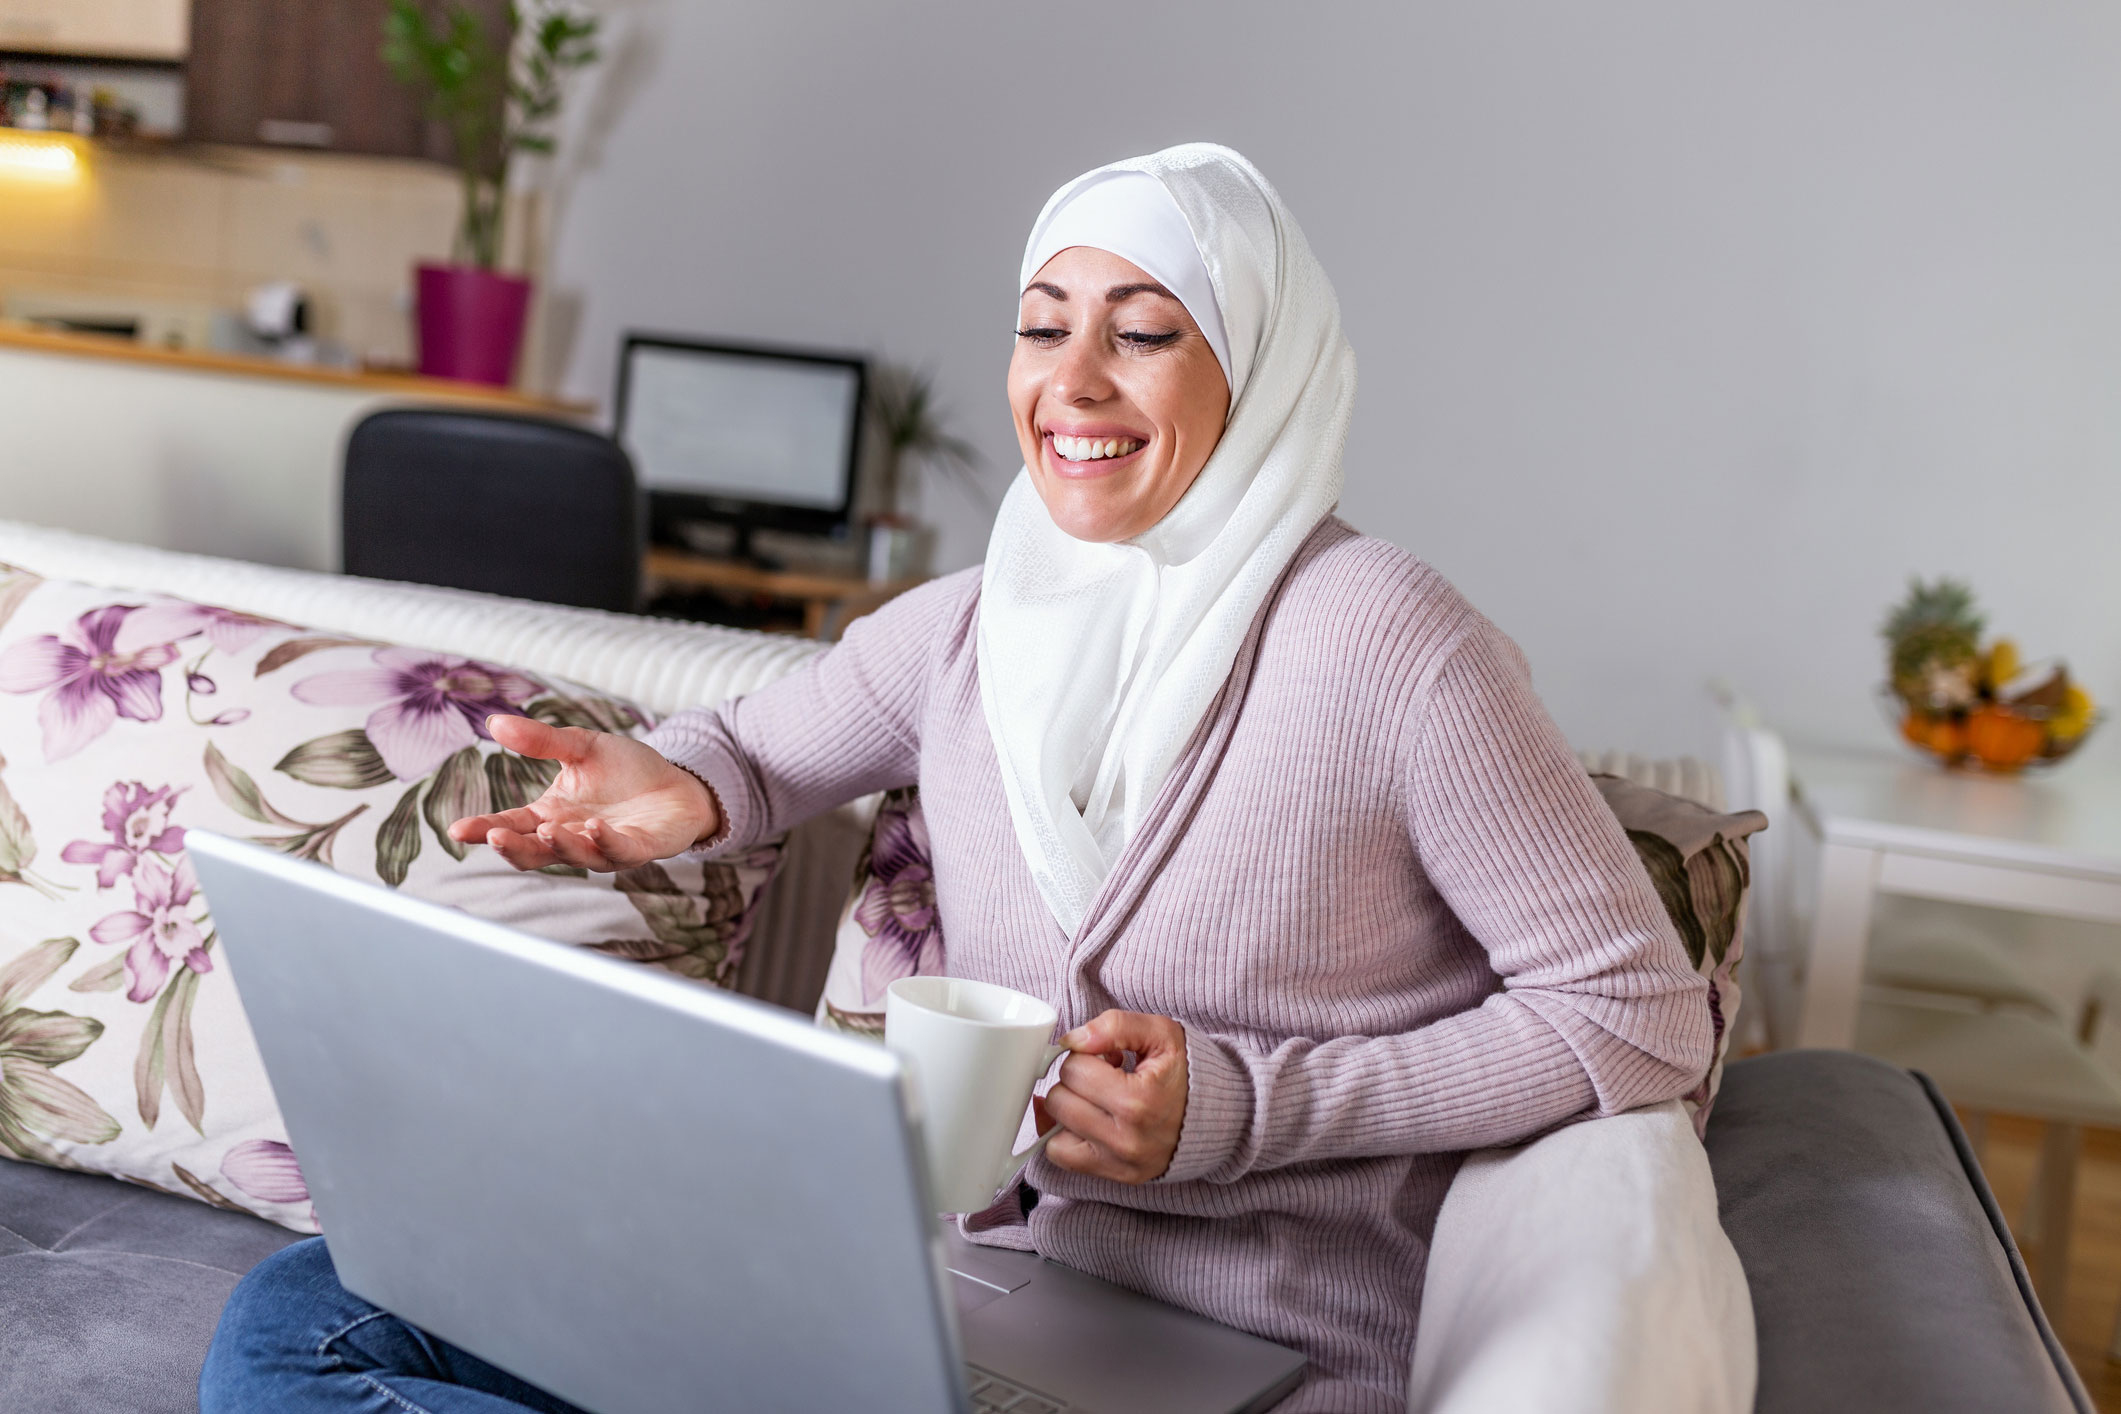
1697,858
127,719
889,928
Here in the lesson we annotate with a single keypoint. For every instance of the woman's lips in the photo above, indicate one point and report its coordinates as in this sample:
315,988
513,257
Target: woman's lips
1090,467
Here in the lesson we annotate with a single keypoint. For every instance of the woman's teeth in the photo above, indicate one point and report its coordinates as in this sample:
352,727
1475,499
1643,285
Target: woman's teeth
1083,449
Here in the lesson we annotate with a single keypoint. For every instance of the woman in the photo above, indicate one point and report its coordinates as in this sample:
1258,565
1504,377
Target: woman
1242,792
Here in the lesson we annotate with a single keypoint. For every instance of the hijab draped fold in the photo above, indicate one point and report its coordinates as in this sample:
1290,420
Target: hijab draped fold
1098,661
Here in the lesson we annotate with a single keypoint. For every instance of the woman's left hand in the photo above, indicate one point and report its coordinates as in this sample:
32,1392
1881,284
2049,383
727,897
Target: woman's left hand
1117,1123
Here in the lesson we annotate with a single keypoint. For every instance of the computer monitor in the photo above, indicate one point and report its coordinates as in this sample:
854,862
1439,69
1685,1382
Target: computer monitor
750,436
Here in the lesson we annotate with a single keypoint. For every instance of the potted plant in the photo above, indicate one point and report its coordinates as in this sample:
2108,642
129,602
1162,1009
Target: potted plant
498,94
910,432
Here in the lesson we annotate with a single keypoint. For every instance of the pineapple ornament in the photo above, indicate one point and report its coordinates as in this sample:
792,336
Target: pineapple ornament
1935,639
1968,705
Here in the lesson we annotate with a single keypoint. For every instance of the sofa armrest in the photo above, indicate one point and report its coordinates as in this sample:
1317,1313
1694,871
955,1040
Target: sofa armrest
1883,1277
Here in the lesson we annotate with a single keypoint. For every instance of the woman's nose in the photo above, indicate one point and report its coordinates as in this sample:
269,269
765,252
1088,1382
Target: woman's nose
1083,374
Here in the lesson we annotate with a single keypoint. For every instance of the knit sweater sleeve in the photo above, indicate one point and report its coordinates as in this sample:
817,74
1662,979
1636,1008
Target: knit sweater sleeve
845,724
1598,1010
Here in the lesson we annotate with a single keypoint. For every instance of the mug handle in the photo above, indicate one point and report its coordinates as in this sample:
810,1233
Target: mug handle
1016,1159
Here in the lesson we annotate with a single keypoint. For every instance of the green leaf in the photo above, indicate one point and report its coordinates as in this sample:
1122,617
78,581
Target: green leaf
147,1066
17,846
180,1064
58,1109
513,780
33,968
598,714
205,1191
46,1037
296,648
17,1140
398,838
459,790
107,977
343,760
695,932
1667,871
15,586
239,792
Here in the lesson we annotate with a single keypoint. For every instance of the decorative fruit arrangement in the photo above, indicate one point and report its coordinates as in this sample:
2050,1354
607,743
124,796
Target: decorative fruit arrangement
1970,705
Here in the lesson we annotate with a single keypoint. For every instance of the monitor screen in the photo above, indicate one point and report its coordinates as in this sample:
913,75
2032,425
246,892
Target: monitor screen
733,425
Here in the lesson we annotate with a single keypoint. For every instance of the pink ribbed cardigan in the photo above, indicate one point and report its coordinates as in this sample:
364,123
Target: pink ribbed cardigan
1388,905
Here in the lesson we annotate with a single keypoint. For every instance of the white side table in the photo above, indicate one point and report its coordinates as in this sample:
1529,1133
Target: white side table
1889,823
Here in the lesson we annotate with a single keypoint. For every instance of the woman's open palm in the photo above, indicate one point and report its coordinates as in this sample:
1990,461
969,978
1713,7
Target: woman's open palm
615,804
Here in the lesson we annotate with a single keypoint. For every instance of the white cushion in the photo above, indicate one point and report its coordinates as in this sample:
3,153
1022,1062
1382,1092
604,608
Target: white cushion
1586,1273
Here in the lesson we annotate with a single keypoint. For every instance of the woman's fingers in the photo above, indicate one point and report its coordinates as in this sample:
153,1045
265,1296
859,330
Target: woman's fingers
472,828
574,847
1082,1116
1122,1122
526,737
520,850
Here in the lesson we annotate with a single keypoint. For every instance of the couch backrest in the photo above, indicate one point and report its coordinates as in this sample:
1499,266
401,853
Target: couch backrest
659,663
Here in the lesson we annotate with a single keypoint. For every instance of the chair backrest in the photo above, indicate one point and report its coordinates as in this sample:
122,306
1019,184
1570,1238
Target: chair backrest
509,505
1756,776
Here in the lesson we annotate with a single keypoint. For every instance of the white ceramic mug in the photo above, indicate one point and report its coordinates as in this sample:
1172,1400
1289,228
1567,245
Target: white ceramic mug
974,1050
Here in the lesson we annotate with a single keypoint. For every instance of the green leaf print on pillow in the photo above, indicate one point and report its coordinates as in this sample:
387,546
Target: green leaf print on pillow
346,760
17,845
35,1104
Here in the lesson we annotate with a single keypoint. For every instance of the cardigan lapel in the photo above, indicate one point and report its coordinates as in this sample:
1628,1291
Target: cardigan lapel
1180,796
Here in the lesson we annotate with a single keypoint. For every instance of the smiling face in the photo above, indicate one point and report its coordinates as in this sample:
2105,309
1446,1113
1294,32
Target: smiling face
1117,395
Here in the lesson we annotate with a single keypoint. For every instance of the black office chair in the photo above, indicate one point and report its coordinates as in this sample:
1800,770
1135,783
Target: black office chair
509,505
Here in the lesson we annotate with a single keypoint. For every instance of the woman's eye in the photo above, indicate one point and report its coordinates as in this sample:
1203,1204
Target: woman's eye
1042,335
1142,340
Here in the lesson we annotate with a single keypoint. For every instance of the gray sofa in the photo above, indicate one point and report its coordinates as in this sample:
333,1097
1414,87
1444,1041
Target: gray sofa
1883,1278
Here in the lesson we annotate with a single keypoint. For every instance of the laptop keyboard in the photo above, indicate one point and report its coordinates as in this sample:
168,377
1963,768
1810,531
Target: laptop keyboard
991,1394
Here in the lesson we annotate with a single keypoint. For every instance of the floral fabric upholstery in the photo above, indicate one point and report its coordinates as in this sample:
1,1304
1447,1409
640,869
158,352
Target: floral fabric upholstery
1697,858
127,719
889,928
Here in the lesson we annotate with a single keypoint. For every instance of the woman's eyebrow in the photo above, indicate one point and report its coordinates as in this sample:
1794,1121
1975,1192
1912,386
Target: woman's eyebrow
1139,287
1044,288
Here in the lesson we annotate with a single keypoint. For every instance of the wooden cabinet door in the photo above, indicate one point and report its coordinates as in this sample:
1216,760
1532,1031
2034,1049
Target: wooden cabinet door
103,29
306,73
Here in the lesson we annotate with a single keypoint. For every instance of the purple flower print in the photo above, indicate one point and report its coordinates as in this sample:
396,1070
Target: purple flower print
96,677
158,928
138,821
225,629
266,1170
897,908
434,704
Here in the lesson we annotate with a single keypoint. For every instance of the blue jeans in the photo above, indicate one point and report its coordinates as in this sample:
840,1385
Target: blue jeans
292,1339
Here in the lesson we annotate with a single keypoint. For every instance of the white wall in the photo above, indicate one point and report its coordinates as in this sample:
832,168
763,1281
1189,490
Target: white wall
245,466
1687,331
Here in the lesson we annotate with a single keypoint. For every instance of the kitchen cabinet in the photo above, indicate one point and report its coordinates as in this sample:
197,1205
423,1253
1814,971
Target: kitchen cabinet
306,73
96,29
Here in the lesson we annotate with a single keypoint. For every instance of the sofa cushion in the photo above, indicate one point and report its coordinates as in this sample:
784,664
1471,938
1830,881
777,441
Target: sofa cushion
1696,858
109,1293
889,927
126,719
1883,1278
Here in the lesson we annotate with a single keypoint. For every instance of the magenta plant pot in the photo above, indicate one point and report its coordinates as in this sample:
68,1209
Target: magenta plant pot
470,322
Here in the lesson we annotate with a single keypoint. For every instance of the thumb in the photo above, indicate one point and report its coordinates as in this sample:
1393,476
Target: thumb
526,737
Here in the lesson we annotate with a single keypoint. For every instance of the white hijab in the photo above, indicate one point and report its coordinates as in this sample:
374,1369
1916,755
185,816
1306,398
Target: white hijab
1097,662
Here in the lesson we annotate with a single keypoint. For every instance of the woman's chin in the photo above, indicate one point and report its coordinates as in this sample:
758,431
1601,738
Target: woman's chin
1091,517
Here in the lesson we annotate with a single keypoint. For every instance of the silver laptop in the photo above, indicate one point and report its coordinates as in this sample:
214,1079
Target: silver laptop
645,1195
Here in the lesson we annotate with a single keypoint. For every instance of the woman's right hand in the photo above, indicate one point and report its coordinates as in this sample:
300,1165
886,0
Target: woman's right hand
615,804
